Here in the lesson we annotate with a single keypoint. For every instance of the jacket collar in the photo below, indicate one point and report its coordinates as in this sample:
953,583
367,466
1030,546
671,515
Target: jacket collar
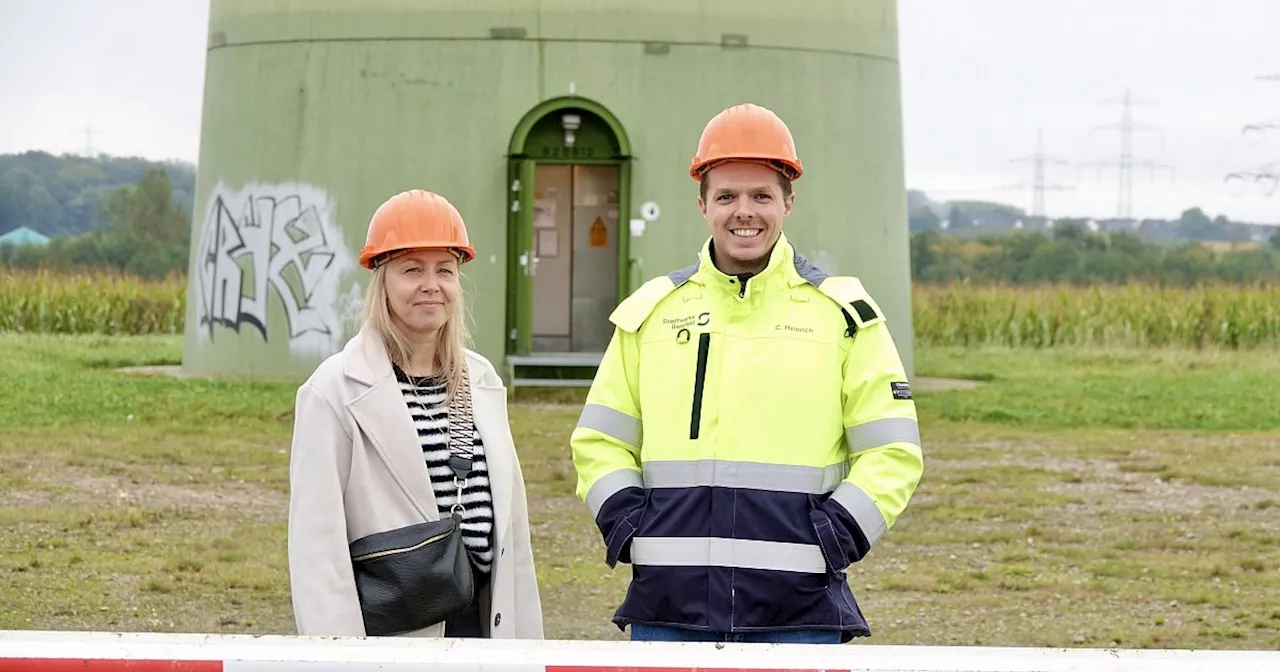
781,266
365,358
381,413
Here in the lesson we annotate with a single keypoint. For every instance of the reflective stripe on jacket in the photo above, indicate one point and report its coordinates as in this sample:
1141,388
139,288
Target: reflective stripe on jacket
743,443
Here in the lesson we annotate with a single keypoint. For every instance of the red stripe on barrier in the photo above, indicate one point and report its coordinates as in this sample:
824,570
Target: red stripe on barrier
106,665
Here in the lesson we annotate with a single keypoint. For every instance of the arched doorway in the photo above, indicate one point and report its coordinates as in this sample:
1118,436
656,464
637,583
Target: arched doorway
568,236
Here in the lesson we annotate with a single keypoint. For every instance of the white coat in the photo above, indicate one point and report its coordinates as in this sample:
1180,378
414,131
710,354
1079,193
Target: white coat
357,468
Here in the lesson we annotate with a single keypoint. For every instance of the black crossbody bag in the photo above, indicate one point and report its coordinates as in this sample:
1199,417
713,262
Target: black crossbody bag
417,576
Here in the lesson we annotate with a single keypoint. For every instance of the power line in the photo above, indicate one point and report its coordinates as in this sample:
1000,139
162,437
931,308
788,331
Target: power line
1126,161
1038,186
1267,175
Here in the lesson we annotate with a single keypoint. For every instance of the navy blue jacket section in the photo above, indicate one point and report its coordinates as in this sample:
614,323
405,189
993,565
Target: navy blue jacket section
841,539
618,519
759,600
735,599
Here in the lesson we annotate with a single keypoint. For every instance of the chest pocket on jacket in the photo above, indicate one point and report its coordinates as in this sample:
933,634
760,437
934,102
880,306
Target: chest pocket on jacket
679,378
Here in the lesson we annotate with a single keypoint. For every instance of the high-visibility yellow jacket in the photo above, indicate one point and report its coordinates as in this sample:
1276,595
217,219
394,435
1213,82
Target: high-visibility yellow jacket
743,443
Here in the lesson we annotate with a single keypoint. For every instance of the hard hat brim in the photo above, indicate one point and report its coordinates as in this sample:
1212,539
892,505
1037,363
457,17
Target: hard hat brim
792,170
372,259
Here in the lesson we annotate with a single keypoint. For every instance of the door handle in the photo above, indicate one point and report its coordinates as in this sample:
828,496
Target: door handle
529,262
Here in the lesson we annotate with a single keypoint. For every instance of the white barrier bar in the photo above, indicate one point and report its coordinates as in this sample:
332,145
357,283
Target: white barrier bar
146,652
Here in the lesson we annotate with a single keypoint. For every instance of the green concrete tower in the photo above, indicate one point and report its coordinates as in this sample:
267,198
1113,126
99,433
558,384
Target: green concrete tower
561,129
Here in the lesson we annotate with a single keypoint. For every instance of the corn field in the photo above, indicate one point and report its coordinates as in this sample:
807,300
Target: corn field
57,302
1207,316
1226,316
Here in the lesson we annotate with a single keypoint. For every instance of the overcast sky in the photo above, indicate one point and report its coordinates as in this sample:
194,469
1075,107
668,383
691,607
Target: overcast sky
980,79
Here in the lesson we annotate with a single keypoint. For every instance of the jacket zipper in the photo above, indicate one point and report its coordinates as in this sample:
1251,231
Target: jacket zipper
699,379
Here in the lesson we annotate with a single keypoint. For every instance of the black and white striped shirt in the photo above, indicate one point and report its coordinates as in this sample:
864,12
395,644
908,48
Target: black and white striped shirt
425,398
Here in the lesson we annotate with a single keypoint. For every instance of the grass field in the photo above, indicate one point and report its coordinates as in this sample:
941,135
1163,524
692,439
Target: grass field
1079,498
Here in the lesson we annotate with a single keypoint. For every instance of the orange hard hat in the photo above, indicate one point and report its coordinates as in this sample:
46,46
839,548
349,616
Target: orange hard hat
746,132
415,219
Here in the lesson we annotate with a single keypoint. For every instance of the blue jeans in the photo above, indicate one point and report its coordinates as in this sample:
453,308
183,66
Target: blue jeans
643,632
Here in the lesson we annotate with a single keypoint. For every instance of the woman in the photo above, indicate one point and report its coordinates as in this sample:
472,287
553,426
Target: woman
387,434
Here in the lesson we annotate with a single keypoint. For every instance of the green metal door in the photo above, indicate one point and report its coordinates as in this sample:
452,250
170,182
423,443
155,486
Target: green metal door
520,260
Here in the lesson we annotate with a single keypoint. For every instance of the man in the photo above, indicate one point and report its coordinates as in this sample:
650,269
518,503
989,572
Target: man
750,432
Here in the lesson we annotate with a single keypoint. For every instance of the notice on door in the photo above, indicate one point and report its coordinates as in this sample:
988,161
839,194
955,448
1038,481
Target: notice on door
599,233
544,213
548,243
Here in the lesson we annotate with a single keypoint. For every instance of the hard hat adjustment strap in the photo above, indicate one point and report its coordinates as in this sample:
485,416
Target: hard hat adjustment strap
787,171
385,257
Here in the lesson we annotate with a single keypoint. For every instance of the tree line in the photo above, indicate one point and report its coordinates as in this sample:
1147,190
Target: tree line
64,195
145,232
972,219
1071,253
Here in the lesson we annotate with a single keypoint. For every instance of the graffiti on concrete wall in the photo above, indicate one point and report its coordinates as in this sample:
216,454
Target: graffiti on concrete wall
280,241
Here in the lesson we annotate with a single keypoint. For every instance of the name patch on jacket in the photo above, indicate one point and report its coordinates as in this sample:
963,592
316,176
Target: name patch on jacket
900,390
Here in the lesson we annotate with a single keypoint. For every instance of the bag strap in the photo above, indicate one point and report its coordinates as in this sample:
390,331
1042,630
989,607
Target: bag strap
461,437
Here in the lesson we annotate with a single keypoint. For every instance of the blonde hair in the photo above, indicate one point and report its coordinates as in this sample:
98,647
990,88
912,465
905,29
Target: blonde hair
451,341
